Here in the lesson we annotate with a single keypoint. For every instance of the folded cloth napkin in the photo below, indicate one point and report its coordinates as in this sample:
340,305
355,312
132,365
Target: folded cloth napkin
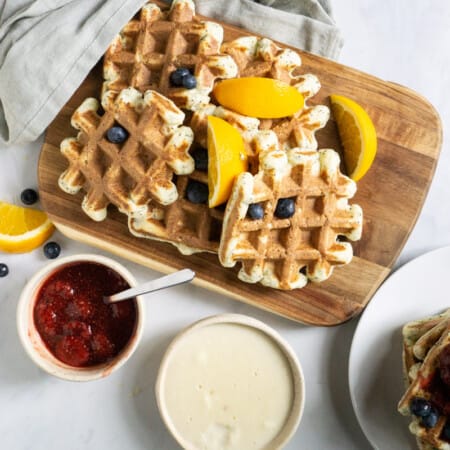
48,47
305,24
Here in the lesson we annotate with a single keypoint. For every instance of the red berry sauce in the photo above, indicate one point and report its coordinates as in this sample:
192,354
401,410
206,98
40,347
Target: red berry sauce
76,325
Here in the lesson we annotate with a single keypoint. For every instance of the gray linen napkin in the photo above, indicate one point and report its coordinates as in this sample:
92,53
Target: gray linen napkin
48,47
304,24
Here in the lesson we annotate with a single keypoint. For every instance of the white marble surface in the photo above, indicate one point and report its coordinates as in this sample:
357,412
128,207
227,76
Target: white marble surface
407,42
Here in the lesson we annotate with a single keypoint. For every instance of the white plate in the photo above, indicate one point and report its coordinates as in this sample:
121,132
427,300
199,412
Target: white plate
416,290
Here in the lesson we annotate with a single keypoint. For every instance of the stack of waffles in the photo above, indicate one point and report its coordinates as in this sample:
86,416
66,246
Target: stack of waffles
148,174
426,367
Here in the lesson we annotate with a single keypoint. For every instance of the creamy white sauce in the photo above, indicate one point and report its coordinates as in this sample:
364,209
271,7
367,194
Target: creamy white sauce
228,386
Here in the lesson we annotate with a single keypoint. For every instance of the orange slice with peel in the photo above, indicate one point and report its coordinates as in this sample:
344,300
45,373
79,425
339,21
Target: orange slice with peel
265,98
357,133
22,229
226,159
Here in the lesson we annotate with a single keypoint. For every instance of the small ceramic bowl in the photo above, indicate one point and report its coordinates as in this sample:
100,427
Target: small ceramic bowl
34,344
230,381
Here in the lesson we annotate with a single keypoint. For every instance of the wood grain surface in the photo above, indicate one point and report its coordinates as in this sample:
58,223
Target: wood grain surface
391,195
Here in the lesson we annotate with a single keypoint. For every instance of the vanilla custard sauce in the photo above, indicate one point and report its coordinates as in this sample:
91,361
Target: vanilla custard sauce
228,386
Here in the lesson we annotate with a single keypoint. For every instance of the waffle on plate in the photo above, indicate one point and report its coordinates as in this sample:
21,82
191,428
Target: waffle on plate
426,365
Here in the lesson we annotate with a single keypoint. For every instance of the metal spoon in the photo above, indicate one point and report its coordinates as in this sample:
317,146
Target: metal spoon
182,276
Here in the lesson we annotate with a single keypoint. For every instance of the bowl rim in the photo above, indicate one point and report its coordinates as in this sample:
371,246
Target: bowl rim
298,381
32,341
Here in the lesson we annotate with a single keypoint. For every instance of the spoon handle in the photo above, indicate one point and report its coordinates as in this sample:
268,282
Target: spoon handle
182,276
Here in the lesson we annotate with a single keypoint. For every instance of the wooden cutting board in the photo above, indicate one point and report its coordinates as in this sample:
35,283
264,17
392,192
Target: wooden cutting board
391,195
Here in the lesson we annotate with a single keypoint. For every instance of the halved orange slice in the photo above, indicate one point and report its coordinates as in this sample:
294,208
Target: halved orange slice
22,229
226,159
265,98
357,134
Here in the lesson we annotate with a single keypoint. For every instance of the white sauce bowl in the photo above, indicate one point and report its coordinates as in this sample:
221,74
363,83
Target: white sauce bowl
230,382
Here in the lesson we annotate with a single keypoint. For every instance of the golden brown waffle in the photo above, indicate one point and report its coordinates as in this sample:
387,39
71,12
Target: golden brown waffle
418,337
261,57
130,174
284,253
423,343
150,47
191,227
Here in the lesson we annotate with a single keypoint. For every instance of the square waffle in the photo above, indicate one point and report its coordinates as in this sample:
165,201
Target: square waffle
426,354
261,57
130,174
150,47
284,253
191,227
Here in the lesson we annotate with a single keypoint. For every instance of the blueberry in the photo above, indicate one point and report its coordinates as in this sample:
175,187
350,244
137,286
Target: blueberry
189,82
3,270
200,156
197,192
420,407
431,419
117,134
176,77
285,208
255,211
29,196
52,250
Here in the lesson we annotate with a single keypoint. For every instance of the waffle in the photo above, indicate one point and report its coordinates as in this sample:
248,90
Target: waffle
191,227
424,342
286,253
132,174
261,57
150,47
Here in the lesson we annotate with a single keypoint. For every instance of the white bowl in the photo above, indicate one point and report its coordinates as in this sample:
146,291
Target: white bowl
212,390
35,346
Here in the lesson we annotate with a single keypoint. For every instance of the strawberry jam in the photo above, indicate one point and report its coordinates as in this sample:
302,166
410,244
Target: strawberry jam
75,324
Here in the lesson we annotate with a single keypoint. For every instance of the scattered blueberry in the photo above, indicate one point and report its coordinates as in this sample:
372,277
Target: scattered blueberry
189,82
431,419
52,250
117,134
200,156
3,270
446,431
197,192
255,211
29,196
285,208
420,407
176,77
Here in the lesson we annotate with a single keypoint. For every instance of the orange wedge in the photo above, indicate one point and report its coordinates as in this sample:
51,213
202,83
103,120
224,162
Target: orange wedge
22,229
226,159
265,98
357,134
